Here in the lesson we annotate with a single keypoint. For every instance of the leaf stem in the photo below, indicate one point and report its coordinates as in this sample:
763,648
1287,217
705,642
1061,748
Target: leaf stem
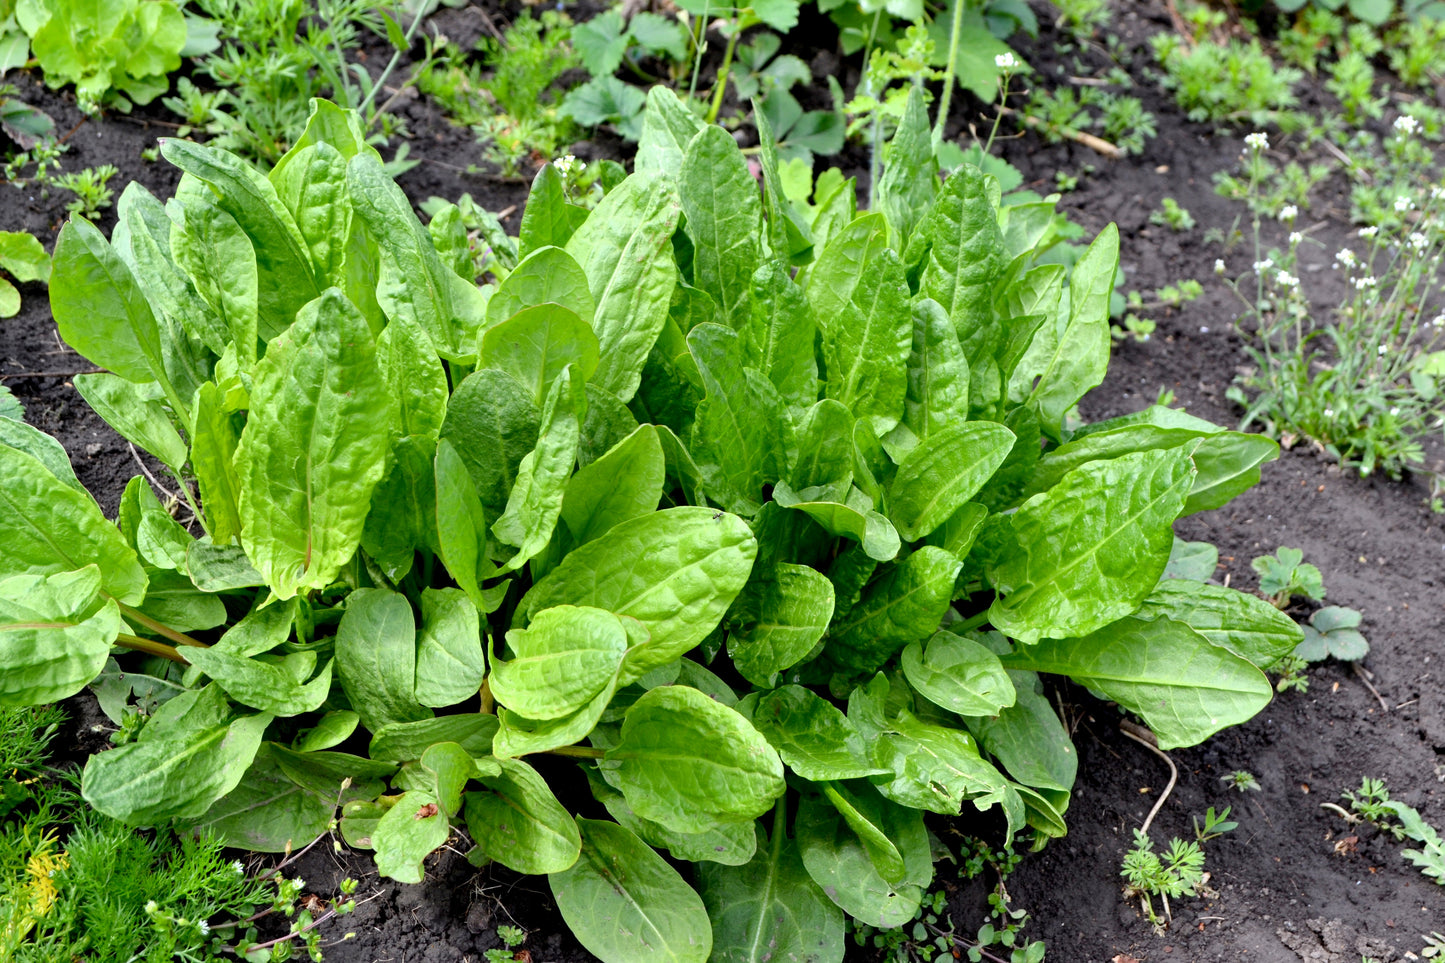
150,647
722,74
577,752
391,64
948,75
970,623
179,638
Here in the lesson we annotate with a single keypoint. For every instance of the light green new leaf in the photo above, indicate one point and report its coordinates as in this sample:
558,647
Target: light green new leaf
793,608
220,262
559,662
625,248
723,212
177,776
675,571
770,909
333,729
624,483
853,519
548,275
1028,738
519,736
314,447
860,304
376,658
625,904
1228,464
46,526
519,823
407,741
902,606
415,377
136,415
537,343
938,375
778,335
1090,549
689,763
909,181
214,438
450,662
668,127
492,422
947,469
813,737
549,219
412,828
461,521
825,450
731,844
959,675
1246,625
274,687
15,433
1184,687
311,183
535,503
54,635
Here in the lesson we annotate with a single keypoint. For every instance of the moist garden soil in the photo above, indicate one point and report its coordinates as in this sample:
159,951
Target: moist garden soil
1289,884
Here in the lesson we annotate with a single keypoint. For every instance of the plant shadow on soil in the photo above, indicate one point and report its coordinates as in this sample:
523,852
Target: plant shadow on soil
1284,894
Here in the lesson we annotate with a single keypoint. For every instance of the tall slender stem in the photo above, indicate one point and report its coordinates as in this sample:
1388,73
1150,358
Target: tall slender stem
954,34
391,64
722,74
140,618
577,752
150,647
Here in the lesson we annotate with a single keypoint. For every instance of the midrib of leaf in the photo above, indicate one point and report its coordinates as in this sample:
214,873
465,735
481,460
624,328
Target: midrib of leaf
192,748
852,378
39,533
619,886
517,808
880,611
770,886
1073,671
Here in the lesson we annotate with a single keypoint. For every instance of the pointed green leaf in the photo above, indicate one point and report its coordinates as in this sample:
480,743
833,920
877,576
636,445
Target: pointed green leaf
376,658
902,606
936,478
959,675
518,822
450,663
813,737
55,635
723,212
535,503
793,609
1246,625
548,275
536,343
624,483
559,662
549,219
410,831
840,863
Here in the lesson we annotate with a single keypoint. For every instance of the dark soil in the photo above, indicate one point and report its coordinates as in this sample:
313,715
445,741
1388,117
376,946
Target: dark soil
1285,889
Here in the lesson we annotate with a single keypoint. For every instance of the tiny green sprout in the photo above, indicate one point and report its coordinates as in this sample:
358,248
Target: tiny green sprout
1215,824
1285,574
1291,671
1333,631
1064,182
1241,780
1172,216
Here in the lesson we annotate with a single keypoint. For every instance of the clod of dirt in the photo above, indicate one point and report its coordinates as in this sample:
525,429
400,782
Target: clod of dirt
1331,941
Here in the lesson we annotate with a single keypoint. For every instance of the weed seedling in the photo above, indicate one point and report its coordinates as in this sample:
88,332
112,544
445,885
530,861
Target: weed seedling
1285,574
89,187
1240,780
1171,215
1178,871
1373,804
511,937
1215,824
1333,631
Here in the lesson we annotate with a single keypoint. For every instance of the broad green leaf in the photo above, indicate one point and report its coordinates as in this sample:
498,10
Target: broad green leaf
938,376
548,275
770,909
791,608
778,335
688,763
311,183
825,450
412,828
450,767
450,663
902,606
286,278
518,735
549,219
215,436
492,422
259,631
742,435
947,469
1088,551
23,256
220,262
333,729
623,484
274,687
1028,738
723,213
559,662
1246,625
854,519
667,129
839,862
403,516
675,571
415,376
813,737
172,600
221,568
98,307
1192,560
46,526
959,675
406,741
518,822
958,533
731,844
909,181
376,658
1228,464
135,414
1184,687
625,904
313,447
147,782
15,433
537,343
55,635
461,525
860,305
535,502
625,248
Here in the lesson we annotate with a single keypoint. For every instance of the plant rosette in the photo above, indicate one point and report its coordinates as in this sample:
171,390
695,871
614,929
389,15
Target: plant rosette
768,521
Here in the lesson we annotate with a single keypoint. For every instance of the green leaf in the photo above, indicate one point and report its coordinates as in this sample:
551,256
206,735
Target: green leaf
406,741
625,904
1228,464
1090,549
938,375
376,657
825,450
601,42
731,844
55,635
175,776
559,662
135,414
606,100
723,213
535,503
273,687
778,335
790,609
1249,627
623,484
1028,738
536,344
689,763
521,736
625,248
412,828
46,526
904,605
813,737
947,469
909,181
675,571
548,275
548,219
959,675
15,433
461,525
214,437
311,182
22,254
854,519
520,824
220,262
333,729
667,128
840,863
493,424
1182,686
1192,560
450,663
313,448
860,305
1332,631
769,908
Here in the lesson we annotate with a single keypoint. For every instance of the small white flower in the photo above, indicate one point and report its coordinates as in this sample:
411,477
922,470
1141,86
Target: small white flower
1329,412
1295,237
1394,411
1204,329
565,164
1365,282
1436,193
1219,265
1419,241
1383,349
1439,321
1286,280
1005,61
1403,204
1265,265
1288,213
238,867
151,906
204,927
1346,257
1406,124
1370,231
1257,141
